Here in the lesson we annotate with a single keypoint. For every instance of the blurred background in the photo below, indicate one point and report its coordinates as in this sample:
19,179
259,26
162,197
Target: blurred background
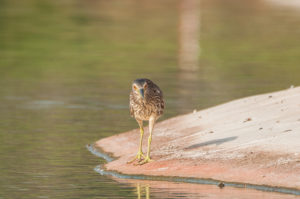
66,69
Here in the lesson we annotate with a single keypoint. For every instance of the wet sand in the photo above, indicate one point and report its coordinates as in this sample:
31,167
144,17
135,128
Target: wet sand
253,140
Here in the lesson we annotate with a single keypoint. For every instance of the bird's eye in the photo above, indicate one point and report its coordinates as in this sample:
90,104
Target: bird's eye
134,87
145,86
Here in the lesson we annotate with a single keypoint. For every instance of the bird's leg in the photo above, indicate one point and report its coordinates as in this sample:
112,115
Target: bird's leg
140,154
151,126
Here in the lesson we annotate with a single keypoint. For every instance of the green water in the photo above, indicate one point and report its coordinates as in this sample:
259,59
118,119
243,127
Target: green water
66,69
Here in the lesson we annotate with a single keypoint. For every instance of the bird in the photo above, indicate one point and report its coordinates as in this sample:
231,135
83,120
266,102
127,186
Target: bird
146,103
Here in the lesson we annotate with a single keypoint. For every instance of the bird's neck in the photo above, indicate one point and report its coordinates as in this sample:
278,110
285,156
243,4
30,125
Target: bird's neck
142,100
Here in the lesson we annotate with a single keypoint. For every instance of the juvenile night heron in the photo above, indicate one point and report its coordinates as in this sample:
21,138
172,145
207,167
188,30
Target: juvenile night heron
146,104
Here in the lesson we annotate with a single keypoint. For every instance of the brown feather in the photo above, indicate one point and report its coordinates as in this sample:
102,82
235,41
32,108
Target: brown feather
151,105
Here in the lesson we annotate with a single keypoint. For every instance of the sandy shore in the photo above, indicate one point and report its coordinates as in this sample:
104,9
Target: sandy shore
252,140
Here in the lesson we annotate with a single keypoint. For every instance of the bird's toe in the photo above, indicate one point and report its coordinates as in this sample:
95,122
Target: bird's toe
139,157
146,160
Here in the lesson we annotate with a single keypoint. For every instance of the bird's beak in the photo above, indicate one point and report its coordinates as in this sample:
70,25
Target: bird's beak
141,92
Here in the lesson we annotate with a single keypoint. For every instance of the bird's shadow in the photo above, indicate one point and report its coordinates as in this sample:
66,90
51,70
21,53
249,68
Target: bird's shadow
211,142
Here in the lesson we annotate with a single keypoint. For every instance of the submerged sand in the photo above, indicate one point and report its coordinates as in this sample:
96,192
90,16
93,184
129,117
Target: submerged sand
252,140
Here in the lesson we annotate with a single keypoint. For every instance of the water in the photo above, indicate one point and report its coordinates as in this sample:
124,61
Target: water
66,69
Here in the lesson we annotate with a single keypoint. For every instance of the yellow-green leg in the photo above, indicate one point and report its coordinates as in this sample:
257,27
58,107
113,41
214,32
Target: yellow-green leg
151,126
140,154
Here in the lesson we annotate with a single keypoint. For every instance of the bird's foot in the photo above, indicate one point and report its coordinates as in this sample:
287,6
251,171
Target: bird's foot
139,156
146,160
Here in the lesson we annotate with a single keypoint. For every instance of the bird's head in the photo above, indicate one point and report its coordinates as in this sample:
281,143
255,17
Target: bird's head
139,87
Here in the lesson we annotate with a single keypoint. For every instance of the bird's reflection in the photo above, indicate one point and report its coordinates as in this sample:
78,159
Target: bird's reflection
143,190
167,189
